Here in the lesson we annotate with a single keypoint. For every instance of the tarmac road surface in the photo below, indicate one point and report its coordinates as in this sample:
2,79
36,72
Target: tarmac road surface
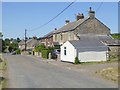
27,72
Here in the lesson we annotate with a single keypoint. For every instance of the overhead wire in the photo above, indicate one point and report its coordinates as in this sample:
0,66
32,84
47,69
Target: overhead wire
99,6
53,17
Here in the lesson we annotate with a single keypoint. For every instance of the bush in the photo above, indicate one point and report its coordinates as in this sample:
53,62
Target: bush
29,53
76,60
18,51
45,53
39,48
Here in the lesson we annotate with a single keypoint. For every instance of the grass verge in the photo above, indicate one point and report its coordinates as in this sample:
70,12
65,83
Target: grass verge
109,73
2,71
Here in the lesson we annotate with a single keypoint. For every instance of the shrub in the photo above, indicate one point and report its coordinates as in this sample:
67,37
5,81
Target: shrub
39,48
18,51
29,53
76,60
45,53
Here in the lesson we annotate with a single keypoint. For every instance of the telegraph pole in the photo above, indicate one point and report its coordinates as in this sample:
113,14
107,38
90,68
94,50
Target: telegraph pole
25,39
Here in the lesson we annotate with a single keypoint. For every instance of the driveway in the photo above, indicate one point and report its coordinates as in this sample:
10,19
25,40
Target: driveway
30,72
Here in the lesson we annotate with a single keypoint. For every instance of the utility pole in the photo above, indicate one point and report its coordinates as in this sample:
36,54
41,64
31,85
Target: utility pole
25,39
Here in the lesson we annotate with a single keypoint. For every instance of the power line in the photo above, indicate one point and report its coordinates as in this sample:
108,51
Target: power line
53,17
99,6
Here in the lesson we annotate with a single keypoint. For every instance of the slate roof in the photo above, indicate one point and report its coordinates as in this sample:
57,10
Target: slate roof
49,34
86,43
71,26
29,40
22,42
112,42
32,41
95,37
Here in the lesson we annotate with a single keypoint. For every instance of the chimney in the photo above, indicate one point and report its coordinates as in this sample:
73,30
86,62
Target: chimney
91,13
66,22
55,28
34,37
79,16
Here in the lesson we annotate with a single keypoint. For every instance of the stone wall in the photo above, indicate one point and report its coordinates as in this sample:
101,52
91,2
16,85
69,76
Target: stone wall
0,45
114,51
93,26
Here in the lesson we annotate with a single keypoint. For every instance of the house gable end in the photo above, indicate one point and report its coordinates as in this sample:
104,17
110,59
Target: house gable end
92,26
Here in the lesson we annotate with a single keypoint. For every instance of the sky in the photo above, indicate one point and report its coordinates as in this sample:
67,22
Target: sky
18,16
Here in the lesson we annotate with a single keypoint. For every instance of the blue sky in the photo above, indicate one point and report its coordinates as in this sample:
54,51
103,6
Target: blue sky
16,16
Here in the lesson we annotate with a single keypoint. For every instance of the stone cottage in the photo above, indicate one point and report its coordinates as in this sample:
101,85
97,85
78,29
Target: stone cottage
81,27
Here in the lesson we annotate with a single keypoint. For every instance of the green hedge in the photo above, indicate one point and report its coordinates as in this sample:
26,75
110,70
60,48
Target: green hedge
45,53
18,51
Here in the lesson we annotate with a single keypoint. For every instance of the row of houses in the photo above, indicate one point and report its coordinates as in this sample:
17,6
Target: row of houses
86,38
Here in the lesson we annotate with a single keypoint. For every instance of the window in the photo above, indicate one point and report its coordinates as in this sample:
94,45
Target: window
69,35
55,37
61,36
65,51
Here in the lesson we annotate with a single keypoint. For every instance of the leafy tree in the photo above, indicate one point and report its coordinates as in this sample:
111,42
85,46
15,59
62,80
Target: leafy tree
18,51
18,40
11,39
7,41
13,47
116,35
10,49
3,46
1,35
39,48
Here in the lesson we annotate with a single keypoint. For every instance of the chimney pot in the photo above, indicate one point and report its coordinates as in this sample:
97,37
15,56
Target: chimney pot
55,28
66,22
79,16
90,9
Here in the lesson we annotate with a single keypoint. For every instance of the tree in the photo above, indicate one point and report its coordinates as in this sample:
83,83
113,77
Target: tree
1,35
13,47
116,35
39,48
7,42
11,39
3,46
18,40
10,49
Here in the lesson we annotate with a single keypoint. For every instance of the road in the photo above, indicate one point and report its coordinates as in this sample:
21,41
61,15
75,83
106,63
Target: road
29,72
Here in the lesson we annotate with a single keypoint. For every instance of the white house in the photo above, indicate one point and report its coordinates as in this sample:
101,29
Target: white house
87,50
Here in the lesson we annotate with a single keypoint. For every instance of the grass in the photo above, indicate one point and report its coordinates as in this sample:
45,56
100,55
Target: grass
109,73
2,70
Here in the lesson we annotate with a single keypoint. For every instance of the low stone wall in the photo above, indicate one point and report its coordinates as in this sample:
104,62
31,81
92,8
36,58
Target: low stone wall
39,54
114,51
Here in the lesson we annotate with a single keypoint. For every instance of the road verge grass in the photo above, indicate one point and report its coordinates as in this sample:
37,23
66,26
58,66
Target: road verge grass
109,73
2,71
